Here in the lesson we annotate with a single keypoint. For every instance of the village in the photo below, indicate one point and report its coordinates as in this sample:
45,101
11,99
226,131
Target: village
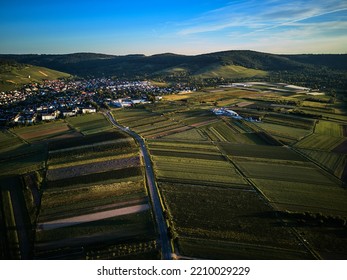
55,99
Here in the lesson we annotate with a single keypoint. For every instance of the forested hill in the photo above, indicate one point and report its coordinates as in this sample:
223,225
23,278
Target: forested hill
227,64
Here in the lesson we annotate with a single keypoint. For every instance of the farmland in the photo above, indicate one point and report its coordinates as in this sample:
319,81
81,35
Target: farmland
89,123
193,162
202,215
42,131
288,162
90,184
268,183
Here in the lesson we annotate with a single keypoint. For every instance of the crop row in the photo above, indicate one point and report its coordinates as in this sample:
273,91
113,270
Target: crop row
107,231
86,140
320,142
183,147
260,151
329,128
10,228
42,131
90,123
85,157
334,162
88,199
96,177
168,153
304,195
288,120
292,171
196,169
95,167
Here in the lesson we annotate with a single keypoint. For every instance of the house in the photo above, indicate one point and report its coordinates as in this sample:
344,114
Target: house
49,115
69,113
88,110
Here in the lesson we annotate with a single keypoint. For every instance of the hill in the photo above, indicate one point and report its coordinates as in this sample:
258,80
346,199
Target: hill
13,74
312,70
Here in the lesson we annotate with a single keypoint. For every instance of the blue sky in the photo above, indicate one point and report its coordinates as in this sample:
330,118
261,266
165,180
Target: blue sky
185,27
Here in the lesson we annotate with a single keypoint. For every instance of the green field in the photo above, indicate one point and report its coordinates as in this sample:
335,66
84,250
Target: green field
284,133
294,172
314,197
334,162
329,128
257,151
193,162
90,123
320,142
14,76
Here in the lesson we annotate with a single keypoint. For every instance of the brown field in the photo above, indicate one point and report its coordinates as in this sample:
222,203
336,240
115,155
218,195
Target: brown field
42,131
95,167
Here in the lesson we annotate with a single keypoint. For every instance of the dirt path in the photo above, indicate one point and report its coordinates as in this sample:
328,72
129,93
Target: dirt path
43,73
92,217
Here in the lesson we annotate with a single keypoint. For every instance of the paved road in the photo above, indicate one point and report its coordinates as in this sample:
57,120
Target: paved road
153,191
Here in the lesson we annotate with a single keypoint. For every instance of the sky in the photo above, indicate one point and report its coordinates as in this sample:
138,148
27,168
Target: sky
181,26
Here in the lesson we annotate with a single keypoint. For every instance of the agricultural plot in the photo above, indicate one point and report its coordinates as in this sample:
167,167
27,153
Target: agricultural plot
98,152
235,131
334,162
192,163
187,146
329,128
313,197
288,120
9,141
258,151
293,171
23,159
148,124
209,217
42,131
112,135
284,133
90,168
189,135
117,230
89,123
15,223
89,199
320,142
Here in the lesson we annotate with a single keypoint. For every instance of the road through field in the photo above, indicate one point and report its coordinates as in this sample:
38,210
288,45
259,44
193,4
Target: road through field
153,191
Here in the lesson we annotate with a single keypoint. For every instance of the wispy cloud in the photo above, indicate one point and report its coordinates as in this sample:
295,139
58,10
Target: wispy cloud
260,15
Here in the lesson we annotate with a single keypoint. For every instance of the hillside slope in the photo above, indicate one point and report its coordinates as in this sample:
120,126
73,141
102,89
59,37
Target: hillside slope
309,70
14,74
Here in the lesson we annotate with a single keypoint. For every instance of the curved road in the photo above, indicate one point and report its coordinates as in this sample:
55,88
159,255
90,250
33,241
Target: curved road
166,251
